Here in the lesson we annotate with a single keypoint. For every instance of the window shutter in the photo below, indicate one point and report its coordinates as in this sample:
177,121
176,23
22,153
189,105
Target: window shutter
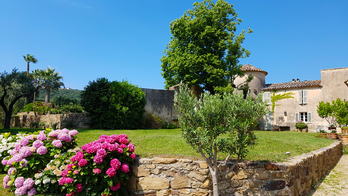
305,97
309,117
267,97
296,117
300,95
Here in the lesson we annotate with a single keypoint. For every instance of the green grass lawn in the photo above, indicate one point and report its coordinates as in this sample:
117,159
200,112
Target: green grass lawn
271,146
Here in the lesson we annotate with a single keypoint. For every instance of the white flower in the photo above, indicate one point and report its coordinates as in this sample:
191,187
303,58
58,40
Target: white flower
53,181
37,182
46,180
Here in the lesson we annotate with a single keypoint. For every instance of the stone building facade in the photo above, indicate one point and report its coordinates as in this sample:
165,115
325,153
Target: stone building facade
307,95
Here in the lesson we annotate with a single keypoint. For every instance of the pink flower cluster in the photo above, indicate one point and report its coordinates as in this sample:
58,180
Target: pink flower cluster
65,180
22,186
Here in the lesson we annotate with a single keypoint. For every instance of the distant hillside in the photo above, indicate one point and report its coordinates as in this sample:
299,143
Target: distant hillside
70,93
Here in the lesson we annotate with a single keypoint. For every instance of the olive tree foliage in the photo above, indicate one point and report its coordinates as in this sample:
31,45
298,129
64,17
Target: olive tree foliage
205,49
113,105
204,120
13,87
334,113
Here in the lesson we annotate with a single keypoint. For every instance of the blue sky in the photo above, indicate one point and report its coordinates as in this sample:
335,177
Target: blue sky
85,39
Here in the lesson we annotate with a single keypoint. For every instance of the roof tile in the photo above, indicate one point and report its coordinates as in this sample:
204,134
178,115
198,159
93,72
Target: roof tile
292,85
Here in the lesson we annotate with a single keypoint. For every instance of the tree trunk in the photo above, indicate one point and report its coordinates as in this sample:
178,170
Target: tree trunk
34,97
48,93
8,119
28,69
215,181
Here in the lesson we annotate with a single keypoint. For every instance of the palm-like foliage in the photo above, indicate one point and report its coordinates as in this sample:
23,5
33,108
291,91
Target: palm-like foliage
29,58
50,80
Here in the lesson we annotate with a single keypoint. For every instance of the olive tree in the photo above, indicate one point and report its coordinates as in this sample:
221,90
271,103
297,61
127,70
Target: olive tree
204,120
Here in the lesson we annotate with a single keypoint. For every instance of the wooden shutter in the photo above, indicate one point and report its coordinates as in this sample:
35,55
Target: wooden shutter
296,117
267,97
309,116
305,97
300,96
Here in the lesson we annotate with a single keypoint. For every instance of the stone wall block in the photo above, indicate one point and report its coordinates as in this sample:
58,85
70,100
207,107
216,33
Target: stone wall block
152,183
164,160
196,176
203,165
180,182
241,174
261,174
140,171
163,193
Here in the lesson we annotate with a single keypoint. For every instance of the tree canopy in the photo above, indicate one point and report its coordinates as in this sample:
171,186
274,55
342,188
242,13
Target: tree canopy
204,49
29,58
14,86
49,80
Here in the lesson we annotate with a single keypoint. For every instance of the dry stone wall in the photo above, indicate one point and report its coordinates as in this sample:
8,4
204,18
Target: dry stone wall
76,120
171,176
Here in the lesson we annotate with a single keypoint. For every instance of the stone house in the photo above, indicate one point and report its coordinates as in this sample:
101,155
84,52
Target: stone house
307,95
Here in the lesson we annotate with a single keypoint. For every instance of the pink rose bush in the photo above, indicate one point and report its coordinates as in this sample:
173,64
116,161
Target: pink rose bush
98,167
30,155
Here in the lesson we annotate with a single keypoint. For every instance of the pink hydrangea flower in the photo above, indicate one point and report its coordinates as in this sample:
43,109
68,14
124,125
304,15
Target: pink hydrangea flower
25,151
57,143
11,171
38,144
112,147
19,182
101,152
133,156
42,136
115,163
24,163
73,132
102,138
53,134
29,183
79,155
123,146
110,140
65,130
120,150
64,137
70,194
76,172
82,162
42,150
115,188
125,168
111,172
17,157
9,162
70,166
131,147
123,140
13,152
97,171
98,159
24,142
5,185
30,137
21,191
65,180
6,178
65,173
4,161
32,192
79,187
91,150
17,147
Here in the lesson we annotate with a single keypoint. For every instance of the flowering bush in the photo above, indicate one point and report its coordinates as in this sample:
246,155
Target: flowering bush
301,125
7,144
100,167
31,154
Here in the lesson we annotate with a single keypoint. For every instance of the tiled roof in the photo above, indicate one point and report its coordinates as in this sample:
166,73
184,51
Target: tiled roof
292,85
249,67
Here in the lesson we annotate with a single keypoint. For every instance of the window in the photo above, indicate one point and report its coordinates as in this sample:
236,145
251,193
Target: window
303,97
255,92
303,116
267,97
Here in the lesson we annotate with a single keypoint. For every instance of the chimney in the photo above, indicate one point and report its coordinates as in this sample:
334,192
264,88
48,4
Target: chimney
298,80
293,80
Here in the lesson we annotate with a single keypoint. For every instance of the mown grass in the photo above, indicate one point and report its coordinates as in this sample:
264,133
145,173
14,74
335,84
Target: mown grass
272,146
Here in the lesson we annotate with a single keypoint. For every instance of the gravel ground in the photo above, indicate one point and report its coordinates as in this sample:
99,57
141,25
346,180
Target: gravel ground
335,183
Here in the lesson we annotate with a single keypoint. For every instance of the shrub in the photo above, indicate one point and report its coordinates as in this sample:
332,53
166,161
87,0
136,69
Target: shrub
169,126
28,108
41,108
301,125
61,101
31,155
113,105
100,167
